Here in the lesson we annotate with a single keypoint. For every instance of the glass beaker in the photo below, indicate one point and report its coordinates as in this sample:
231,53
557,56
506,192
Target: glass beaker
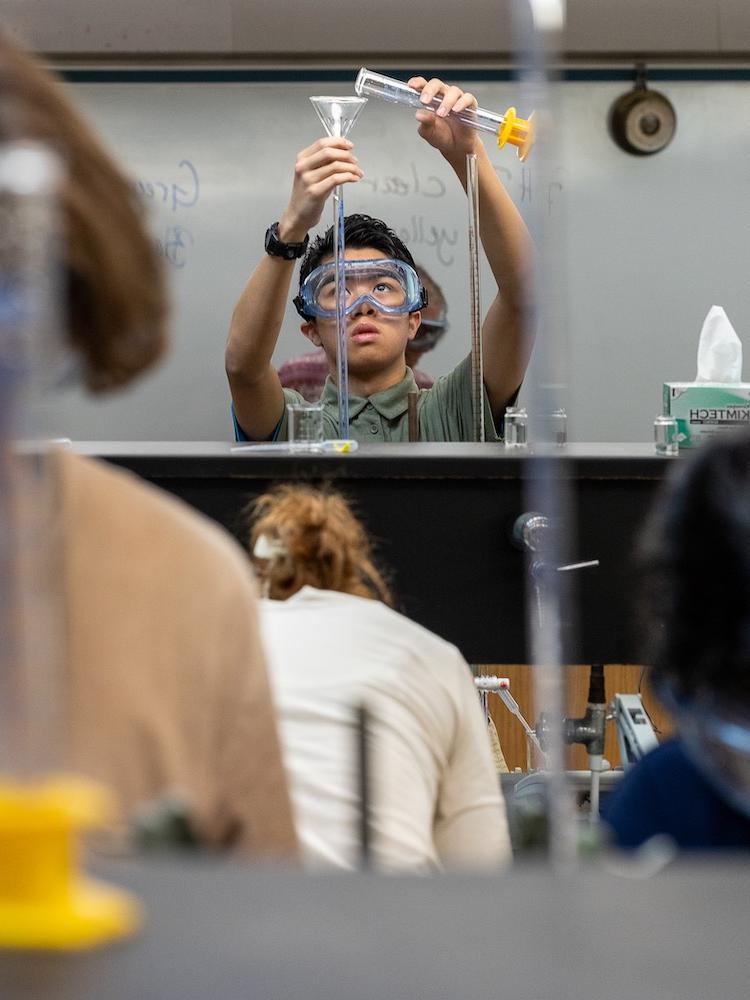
516,427
558,426
305,422
666,439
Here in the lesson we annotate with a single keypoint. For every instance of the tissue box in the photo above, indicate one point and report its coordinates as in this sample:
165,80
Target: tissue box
705,409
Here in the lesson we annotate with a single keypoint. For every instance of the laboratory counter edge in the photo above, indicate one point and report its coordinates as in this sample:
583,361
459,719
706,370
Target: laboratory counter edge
223,931
442,517
408,461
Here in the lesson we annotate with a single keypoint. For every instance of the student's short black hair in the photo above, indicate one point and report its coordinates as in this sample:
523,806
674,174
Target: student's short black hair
359,231
695,561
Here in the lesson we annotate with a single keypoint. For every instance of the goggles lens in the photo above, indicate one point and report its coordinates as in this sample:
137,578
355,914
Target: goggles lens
392,286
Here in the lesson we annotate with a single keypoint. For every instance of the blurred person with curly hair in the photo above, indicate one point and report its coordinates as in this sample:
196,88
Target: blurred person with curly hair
334,643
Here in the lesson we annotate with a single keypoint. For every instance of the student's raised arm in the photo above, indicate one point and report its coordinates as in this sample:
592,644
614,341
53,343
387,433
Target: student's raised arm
256,321
506,331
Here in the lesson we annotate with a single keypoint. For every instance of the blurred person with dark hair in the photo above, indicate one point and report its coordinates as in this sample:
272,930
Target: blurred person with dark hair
334,643
695,557
307,373
168,687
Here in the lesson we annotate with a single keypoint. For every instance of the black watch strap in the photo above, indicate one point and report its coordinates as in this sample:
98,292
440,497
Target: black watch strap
289,251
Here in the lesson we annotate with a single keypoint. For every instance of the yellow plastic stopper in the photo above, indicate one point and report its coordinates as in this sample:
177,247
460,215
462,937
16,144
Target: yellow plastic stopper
45,902
518,132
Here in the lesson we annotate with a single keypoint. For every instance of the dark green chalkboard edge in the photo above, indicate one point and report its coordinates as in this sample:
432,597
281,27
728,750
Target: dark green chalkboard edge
235,75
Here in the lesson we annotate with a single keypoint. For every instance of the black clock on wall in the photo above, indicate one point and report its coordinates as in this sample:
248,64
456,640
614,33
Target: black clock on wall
643,121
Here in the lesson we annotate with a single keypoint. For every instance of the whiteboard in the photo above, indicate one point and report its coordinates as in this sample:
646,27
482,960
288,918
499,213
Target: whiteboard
647,244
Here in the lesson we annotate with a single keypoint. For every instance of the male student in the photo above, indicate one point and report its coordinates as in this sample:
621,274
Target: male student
384,300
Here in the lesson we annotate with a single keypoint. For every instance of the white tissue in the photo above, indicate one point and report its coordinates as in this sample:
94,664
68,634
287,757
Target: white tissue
719,349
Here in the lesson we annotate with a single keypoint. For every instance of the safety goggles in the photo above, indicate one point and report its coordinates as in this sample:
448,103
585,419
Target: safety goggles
391,286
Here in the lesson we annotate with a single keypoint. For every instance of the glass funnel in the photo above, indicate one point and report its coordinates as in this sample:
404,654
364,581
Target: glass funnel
338,114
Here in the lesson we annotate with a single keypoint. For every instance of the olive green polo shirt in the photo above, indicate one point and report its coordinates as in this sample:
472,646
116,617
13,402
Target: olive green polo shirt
444,411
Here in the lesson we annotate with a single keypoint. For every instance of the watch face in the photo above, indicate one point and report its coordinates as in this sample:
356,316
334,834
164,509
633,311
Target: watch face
271,243
289,251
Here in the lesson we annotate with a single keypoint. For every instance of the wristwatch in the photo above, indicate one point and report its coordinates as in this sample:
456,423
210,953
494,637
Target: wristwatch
289,251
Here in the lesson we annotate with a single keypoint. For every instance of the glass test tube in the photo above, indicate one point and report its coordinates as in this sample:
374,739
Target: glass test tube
477,373
508,128
369,84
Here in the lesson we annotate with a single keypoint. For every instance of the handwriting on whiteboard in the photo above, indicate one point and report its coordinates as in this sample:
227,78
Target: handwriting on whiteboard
184,192
413,183
174,245
175,195
524,187
419,233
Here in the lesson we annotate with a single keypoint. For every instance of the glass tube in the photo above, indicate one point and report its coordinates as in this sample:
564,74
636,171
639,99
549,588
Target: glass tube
342,360
369,84
338,115
477,373
33,705
537,26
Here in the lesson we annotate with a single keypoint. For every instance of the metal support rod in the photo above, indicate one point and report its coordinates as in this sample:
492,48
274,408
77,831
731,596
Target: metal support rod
363,776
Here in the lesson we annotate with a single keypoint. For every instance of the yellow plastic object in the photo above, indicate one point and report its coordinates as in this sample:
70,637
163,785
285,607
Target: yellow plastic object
343,447
44,901
518,132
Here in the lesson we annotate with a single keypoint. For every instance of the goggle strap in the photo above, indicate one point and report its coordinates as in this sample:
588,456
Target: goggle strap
299,305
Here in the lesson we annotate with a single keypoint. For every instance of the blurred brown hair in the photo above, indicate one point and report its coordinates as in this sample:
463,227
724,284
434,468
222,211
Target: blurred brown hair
324,545
116,308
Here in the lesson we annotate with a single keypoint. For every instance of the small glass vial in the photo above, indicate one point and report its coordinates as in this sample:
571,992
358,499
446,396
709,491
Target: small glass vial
666,440
516,427
558,426
305,422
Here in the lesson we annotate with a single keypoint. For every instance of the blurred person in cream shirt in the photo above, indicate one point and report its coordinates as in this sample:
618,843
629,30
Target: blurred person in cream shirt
333,644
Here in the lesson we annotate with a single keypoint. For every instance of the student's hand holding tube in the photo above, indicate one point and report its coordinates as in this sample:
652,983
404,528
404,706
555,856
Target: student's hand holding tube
318,170
440,129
